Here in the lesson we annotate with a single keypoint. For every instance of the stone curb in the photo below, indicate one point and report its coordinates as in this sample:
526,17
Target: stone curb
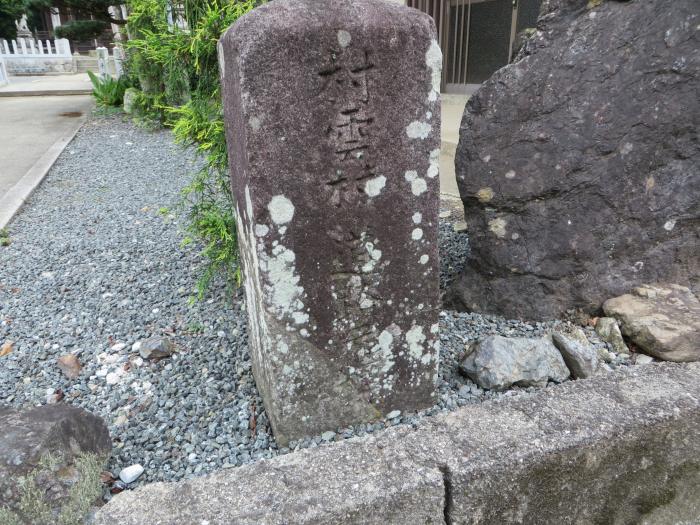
619,448
46,93
16,196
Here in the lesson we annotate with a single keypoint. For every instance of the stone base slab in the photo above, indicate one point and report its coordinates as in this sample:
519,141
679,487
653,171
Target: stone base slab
619,448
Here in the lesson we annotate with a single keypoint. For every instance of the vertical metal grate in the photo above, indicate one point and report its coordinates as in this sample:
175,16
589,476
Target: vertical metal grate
475,37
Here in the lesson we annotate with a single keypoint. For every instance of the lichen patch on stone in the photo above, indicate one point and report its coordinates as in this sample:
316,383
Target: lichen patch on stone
374,186
418,130
418,186
498,227
261,230
344,38
485,195
433,59
281,209
434,168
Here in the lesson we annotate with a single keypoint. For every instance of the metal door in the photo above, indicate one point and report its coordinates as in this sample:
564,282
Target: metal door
476,38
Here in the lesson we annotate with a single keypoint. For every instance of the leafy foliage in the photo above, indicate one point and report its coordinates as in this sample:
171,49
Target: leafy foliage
179,76
108,91
10,10
81,30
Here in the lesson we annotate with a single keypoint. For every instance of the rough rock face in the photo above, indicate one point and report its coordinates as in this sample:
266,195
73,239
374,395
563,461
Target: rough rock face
662,320
578,164
498,362
333,128
581,358
27,438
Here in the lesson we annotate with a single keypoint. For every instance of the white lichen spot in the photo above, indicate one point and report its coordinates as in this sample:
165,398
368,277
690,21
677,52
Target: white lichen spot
424,259
300,317
419,186
433,59
486,158
498,227
670,225
304,332
282,347
375,186
281,209
515,236
417,217
366,303
261,230
411,175
374,255
485,195
418,130
415,339
417,234
428,115
510,174
626,148
381,352
344,38
255,123
434,168
434,329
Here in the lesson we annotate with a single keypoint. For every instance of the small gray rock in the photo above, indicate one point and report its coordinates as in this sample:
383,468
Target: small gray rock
609,331
498,362
642,359
582,359
156,348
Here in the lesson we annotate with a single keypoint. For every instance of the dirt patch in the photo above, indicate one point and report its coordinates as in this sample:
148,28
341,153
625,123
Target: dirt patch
71,114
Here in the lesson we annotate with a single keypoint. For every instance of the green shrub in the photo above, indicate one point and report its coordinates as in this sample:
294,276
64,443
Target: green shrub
107,91
81,30
179,75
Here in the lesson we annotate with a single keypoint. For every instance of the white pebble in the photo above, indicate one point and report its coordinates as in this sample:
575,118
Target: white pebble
131,474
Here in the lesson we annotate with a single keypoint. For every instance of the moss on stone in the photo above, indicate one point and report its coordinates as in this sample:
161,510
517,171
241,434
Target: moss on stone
33,507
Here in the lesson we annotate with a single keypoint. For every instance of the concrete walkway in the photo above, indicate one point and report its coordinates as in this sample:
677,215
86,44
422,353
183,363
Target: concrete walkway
78,84
33,132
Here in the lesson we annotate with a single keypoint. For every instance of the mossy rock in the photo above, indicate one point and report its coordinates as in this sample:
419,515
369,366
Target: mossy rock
131,95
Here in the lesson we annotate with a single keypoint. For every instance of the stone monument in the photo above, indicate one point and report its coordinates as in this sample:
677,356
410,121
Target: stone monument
333,127
103,62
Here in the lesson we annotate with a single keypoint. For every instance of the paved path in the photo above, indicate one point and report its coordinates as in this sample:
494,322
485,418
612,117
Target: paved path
47,85
33,131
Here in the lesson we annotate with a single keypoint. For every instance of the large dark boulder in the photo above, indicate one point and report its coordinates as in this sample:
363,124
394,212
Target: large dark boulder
50,457
578,164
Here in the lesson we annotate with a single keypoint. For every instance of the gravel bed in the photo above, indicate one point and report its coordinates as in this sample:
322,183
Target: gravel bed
96,264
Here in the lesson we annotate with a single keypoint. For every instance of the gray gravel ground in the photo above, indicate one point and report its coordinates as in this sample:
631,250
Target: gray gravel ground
96,265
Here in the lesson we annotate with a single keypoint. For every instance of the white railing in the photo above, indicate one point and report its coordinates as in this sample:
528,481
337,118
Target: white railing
4,79
29,48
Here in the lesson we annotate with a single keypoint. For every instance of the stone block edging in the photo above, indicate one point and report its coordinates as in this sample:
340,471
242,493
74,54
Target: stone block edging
619,448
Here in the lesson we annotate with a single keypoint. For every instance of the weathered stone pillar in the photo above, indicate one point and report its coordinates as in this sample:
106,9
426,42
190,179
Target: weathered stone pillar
333,124
103,62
